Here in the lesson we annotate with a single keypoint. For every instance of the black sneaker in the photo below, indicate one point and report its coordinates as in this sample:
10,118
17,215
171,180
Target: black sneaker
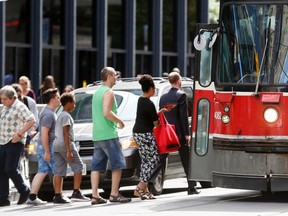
4,202
193,190
24,197
61,200
78,196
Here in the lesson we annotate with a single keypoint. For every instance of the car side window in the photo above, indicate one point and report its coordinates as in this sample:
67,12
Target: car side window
119,100
189,93
86,109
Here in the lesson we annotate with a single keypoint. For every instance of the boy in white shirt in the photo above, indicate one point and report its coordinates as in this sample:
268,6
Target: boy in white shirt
65,151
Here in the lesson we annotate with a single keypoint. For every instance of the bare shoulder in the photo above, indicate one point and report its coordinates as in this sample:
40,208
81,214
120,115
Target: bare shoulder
109,93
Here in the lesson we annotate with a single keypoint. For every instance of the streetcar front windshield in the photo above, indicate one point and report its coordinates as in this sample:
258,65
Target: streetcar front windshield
253,44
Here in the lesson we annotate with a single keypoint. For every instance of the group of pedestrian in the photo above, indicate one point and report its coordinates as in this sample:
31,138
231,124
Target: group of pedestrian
56,148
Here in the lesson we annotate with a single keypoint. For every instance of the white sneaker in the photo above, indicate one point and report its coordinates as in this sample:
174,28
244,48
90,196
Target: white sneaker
37,201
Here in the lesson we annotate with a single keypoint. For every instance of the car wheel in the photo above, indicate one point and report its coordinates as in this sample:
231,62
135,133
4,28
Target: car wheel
205,184
156,188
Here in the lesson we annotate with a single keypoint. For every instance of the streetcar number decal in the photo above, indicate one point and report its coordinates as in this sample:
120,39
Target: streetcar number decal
217,115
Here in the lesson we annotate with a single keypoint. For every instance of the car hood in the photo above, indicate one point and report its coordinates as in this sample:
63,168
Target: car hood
83,131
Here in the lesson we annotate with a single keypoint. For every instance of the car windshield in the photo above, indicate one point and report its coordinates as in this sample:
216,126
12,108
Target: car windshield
253,43
83,109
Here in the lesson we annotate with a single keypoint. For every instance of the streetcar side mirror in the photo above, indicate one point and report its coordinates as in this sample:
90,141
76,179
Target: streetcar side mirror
201,40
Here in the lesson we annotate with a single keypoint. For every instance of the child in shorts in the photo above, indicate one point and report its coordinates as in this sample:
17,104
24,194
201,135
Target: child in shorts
65,151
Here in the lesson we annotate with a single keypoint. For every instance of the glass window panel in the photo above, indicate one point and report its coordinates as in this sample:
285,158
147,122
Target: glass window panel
205,63
53,65
117,60
16,63
84,22
189,93
115,24
168,62
142,24
52,22
86,67
202,133
17,21
192,20
169,27
143,64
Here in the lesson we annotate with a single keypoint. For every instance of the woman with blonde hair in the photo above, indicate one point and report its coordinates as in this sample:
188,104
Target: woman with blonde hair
25,83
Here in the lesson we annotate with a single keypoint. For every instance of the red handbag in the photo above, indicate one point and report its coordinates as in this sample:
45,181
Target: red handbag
166,137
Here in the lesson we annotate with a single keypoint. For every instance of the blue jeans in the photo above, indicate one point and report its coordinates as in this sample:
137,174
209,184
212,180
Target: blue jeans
10,154
108,150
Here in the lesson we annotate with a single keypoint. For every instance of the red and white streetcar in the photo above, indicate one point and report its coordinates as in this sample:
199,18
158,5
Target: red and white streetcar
240,109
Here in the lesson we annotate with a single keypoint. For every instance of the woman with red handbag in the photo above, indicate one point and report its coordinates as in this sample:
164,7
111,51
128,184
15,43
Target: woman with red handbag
146,120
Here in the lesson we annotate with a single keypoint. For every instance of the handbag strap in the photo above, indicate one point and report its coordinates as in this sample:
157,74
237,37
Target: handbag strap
163,119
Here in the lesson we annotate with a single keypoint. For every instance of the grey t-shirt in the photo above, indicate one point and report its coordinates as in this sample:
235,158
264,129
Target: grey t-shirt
47,119
63,119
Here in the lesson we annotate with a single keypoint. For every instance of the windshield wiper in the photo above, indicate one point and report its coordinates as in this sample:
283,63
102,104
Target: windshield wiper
263,56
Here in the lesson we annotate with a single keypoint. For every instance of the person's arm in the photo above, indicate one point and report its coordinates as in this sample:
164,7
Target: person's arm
45,142
156,123
66,129
183,115
28,124
108,100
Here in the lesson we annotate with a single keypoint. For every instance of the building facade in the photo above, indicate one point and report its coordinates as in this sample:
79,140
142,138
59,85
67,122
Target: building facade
74,39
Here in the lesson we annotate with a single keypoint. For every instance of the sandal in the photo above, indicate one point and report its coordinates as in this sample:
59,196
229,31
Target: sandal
140,193
98,200
150,195
119,198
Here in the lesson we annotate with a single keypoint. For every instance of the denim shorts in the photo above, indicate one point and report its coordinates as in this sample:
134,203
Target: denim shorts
61,162
44,166
108,150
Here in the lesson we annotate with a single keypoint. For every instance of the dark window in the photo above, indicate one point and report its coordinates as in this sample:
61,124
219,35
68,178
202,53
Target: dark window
84,23
116,28
86,66
16,62
17,21
143,64
52,22
169,27
142,24
52,65
192,20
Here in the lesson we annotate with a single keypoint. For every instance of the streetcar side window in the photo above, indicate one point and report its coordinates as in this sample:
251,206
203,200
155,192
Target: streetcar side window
202,131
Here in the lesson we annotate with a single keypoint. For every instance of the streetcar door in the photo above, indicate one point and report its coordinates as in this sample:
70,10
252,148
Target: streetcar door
201,151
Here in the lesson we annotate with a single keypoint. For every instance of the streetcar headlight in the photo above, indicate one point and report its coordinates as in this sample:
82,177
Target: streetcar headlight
271,115
225,119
